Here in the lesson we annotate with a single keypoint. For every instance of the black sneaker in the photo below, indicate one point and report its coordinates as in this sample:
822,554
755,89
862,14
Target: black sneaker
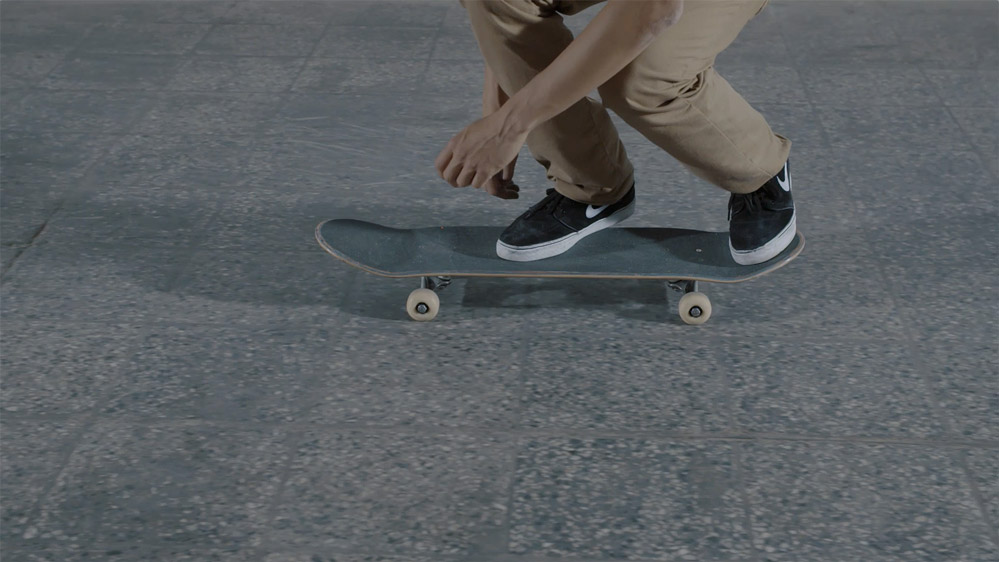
556,223
762,223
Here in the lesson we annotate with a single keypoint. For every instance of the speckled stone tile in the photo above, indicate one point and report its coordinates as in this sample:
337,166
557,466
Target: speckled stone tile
427,376
34,451
163,218
964,31
876,127
404,493
86,266
621,498
358,76
33,160
296,40
984,465
962,187
271,278
299,557
416,13
852,87
825,502
760,40
262,220
218,373
116,11
836,388
99,304
8,255
27,210
222,114
624,382
170,161
362,116
236,74
966,88
189,484
60,368
456,44
963,366
143,38
130,553
96,71
800,124
458,79
756,82
26,69
100,112
376,42
860,36
294,13
51,35
982,128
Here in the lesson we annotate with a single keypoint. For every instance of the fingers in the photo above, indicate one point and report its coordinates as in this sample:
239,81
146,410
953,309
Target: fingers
444,159
497,187
465,177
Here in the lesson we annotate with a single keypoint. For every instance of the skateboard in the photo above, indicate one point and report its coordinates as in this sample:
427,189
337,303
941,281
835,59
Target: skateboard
435,255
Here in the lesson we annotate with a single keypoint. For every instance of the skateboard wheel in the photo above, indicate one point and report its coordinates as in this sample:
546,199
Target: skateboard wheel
695,308
423,305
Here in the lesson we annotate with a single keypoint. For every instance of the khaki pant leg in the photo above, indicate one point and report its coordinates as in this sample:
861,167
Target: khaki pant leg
674,97
579,148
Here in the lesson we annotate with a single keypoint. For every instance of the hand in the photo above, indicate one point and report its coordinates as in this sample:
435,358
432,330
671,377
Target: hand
483,155
501,185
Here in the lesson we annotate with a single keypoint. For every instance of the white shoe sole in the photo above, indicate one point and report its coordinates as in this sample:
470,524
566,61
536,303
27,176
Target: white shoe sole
555,247
769,250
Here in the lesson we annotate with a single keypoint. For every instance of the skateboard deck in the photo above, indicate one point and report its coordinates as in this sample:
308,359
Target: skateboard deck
436,254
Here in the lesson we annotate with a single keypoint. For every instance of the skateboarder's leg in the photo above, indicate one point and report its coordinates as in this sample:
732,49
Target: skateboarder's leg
674,97
579,148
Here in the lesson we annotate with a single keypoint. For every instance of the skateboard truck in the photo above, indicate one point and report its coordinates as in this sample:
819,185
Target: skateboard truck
423,303
694,307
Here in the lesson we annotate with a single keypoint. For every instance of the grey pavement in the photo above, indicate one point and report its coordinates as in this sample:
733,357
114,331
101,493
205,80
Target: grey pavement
187,376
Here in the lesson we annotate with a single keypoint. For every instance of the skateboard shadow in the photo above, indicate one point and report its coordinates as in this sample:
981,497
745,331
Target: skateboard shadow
630,299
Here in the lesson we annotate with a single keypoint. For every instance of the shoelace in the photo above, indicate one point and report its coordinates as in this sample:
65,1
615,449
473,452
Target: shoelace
749,202
548,204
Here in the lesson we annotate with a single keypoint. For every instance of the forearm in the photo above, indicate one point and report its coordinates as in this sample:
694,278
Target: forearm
614,38
493,97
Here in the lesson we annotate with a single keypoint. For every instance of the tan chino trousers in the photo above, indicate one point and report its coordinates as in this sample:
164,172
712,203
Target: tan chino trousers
671,94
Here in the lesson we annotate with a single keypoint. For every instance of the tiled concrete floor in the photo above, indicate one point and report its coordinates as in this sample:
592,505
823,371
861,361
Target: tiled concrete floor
187,376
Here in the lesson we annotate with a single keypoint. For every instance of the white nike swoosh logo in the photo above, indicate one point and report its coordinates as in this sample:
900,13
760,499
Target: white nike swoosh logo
592,211
785,184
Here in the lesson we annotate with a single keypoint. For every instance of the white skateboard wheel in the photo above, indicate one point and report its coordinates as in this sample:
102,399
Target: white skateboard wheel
695,308
423,305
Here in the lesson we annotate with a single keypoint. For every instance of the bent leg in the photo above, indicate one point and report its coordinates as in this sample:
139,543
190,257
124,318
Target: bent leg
579,148
674,97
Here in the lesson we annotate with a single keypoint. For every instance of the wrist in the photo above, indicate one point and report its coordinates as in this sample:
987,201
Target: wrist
518,116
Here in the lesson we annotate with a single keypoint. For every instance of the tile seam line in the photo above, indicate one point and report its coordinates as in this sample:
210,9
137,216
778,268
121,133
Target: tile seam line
976,147
740,476
513,434
979,499
41,293
810,102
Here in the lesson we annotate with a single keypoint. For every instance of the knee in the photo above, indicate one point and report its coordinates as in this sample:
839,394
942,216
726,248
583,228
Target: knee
628,93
